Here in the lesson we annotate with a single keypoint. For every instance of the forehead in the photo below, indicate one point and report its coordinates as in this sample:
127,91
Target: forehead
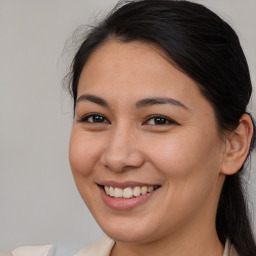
132,66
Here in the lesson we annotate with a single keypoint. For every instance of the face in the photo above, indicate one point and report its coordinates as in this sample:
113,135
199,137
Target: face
145,150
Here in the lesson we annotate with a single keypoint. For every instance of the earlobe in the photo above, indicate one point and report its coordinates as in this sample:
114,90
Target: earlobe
237,146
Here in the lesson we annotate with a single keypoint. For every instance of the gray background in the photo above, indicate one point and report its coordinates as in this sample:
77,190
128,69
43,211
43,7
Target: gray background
39,203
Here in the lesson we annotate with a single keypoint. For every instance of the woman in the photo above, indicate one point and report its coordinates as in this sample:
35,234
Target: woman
161,133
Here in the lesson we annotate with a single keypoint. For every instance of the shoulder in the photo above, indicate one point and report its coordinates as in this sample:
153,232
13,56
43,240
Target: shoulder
30,251
101,247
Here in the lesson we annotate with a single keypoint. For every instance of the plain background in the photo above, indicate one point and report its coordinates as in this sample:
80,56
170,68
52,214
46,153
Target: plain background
39,203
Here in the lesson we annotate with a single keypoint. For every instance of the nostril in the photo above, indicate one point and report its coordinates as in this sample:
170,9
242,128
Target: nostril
120,164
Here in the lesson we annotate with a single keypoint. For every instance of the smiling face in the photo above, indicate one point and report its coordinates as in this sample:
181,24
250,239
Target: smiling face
144,131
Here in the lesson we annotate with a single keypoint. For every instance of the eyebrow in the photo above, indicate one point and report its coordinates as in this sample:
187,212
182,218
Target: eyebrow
140,104
92,98
159,100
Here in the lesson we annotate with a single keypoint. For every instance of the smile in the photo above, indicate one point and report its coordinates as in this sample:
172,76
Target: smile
126,195
128,192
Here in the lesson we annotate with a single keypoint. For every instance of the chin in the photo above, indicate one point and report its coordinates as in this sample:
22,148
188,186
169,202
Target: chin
130,231
127,236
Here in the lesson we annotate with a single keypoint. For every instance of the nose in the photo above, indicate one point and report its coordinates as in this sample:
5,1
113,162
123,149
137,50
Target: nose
122,151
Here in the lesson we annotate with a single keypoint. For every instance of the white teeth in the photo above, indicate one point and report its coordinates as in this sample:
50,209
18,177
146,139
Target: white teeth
118,192
136,191
144,190
150,189
111,191
106,189
127,192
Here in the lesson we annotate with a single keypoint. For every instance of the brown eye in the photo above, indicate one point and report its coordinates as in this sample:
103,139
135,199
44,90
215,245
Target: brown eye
94,118
159,120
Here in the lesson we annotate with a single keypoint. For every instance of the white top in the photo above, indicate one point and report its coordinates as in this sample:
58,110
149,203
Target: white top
101,247
29,251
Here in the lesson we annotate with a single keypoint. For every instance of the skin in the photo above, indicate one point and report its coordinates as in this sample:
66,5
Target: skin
185,155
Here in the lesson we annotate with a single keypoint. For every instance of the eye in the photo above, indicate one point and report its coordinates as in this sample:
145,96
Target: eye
94,118
159,120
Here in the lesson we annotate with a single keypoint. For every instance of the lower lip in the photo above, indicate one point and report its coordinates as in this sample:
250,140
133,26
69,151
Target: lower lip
125,203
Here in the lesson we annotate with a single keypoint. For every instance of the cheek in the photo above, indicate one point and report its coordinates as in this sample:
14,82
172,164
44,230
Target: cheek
190,164
84,151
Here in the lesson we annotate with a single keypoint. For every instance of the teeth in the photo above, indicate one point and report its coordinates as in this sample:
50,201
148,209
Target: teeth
136,191
118,192
107,190
150,189
127,192
111,191
144,190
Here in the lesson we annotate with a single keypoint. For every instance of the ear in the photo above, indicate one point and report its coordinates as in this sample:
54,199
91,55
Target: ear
237,146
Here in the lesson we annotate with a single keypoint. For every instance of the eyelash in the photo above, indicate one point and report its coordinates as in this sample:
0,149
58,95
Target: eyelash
94,115
165,120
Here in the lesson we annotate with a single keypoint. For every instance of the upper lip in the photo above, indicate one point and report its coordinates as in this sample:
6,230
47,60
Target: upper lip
126,184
